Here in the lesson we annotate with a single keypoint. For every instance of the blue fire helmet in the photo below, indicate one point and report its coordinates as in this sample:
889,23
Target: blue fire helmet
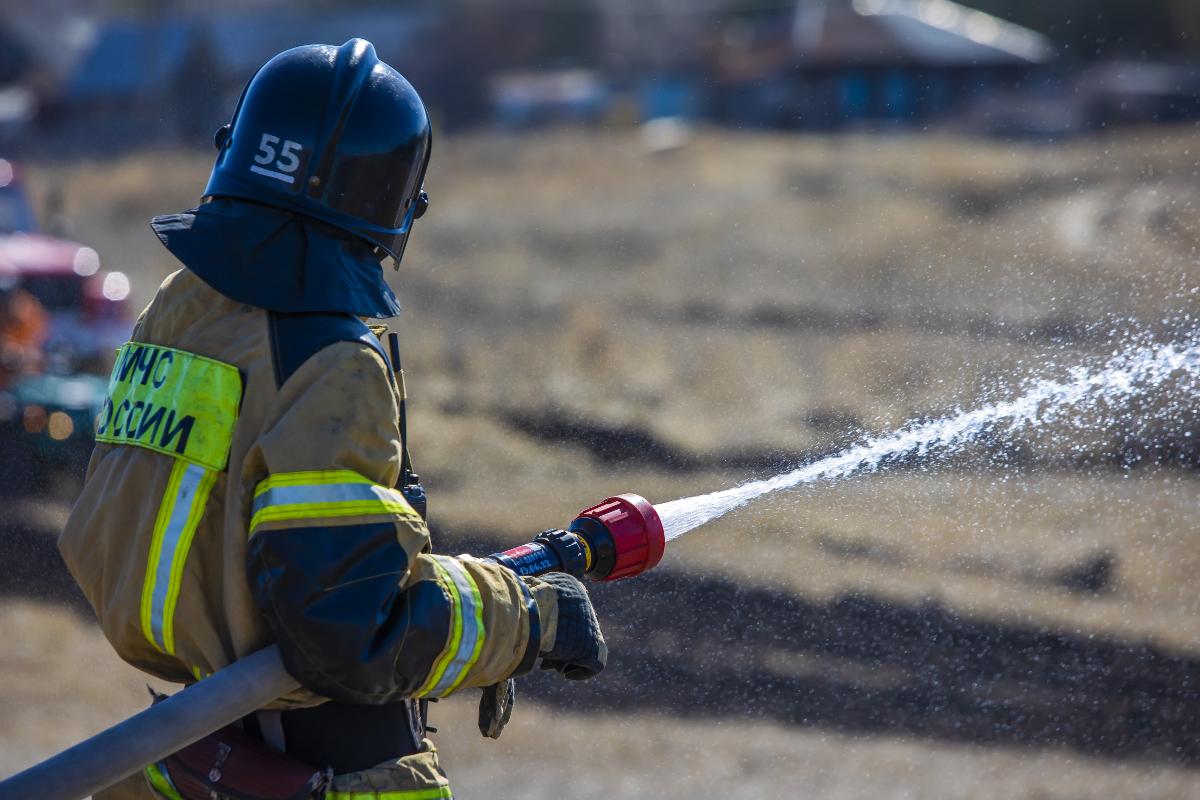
332,133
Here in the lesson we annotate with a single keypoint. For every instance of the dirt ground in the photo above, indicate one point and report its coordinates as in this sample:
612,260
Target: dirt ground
544,752
585,317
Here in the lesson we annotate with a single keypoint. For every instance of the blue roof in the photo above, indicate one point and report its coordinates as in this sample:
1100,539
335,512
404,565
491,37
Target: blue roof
244,42
134,58
130,59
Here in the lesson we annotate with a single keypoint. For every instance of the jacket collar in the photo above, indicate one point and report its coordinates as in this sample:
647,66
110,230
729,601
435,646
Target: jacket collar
277,260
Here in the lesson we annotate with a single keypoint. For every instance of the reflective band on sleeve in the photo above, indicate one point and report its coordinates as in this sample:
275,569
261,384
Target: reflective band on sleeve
173,402
435,793
323,494
467,635
161,781
179,515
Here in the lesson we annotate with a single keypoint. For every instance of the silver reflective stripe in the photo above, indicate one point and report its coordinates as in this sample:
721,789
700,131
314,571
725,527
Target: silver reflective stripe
324,493
181,510
472,627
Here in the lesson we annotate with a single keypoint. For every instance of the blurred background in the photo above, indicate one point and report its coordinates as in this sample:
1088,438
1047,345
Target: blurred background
674,245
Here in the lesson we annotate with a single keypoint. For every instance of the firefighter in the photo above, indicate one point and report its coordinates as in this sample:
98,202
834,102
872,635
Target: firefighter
250,483
23,331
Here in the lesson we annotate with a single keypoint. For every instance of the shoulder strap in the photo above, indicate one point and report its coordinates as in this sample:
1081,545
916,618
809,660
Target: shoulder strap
410,481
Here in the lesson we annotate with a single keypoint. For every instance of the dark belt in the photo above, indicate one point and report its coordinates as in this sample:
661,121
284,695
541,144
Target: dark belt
349,738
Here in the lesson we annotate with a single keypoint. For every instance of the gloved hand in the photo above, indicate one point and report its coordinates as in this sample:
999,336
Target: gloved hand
579,651
495,707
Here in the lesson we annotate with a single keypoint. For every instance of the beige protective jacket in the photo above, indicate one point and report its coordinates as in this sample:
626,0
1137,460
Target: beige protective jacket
241,493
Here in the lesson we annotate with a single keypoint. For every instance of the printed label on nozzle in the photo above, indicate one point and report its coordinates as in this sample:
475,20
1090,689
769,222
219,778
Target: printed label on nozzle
528,559
173,402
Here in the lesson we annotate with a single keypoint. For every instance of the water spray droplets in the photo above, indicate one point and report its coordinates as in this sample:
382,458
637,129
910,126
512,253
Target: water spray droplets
1098,390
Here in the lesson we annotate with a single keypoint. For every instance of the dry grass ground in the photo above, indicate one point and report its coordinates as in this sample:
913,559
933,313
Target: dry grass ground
84,688
584,317
865,279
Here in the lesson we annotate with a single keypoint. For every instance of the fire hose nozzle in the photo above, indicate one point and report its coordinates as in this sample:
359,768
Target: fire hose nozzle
618,538
624,535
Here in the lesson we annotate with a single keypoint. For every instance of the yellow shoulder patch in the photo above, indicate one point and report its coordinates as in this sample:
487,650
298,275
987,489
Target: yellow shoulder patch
172,401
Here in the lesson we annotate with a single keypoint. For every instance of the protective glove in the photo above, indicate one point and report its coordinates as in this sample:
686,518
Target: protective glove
495,707
579,651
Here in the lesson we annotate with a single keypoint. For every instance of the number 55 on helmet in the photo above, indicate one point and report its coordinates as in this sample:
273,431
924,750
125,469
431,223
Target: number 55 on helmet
335,134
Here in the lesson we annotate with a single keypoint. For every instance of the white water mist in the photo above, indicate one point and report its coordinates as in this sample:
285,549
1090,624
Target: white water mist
1124,376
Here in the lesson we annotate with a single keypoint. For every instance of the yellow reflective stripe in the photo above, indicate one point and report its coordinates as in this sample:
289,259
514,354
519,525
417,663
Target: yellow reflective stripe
311,477
323,494
298,511
179,515
436,793
456,631
471,642
161,782
173,402
181,552
165,508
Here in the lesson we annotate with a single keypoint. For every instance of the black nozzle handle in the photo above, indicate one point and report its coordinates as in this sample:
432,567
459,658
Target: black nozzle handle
550,551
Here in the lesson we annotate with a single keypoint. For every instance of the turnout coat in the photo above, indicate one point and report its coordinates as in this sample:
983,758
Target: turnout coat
242,493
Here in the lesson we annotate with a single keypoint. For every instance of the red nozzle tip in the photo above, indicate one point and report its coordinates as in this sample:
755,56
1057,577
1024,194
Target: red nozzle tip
636,530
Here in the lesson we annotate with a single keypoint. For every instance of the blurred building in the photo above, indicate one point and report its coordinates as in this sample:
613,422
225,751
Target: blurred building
146,79
34,56
1133,92
838,63
523,99
18,100
72,80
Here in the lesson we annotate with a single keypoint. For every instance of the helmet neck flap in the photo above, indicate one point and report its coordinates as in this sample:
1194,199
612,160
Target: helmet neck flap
274,259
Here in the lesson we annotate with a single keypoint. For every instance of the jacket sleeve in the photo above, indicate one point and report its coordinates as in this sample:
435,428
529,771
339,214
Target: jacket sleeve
339,563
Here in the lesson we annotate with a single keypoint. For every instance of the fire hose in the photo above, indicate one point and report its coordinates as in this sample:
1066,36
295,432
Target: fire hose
618,538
